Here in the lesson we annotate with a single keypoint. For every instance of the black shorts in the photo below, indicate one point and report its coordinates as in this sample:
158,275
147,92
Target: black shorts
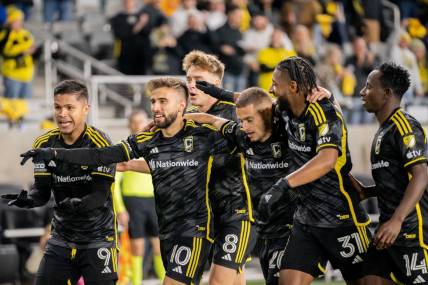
271,252
143,221
184,258
234,243
403,265
344,247
61,264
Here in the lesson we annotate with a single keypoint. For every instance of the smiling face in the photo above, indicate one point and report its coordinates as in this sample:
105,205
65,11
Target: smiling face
198,97
71,111
373,95
167,105
282,87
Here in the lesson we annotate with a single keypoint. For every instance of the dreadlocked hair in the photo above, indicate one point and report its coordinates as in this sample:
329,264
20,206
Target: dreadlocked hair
300,71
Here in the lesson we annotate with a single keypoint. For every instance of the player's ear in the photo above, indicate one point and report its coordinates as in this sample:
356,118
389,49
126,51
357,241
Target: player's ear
387,93
293,86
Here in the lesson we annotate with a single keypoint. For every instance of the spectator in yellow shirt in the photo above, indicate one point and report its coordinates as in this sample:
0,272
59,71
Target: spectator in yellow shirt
17,66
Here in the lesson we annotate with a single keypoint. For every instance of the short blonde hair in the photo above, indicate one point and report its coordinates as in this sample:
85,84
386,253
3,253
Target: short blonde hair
167,82
205,61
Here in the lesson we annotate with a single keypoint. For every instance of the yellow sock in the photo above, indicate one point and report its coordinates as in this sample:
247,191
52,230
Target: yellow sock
158,266
137,270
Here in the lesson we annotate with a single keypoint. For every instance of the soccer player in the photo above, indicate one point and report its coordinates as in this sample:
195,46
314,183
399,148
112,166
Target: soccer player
399,166
266,158
328,223
136,211
83,241
180,157
235,234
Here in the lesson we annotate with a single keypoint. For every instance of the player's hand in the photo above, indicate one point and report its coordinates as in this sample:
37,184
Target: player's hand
20,200
269,199
123,219
213,90
70,204
318,94
387,233
39,154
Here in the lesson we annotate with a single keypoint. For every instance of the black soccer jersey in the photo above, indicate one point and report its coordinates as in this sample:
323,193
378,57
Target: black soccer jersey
181,169
265,163
92,224
399,144
230,197
329,201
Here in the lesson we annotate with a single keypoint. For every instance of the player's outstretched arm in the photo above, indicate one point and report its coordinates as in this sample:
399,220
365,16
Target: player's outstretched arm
315,168
81,156
203,118
389,231
363,191
217,92
34,198
137,165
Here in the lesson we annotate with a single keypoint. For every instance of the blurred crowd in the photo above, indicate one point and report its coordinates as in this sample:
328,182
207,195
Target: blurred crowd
343,40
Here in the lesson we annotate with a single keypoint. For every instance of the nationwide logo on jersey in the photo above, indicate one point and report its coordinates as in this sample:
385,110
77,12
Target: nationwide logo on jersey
188,144
276,150
323,129
378,143
302,132
409,141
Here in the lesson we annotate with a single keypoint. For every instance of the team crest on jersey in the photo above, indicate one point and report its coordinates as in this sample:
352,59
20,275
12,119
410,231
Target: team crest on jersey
188,144
409,141
276,150
323,129
378,143
302,132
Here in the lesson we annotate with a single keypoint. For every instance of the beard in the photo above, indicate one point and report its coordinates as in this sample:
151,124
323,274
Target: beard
169,119
283,103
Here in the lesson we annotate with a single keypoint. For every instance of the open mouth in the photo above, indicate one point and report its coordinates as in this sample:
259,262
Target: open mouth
64,124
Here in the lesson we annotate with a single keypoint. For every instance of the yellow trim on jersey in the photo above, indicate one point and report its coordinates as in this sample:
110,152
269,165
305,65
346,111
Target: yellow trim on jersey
115,217
341,161
321,112
314,115
68,281
406,122
241,238
42,174
224,126
126,150
190,123
247,189
325,145
73,253
210,127
321,268
426,257
395,280
194,258
96,138
43,138
207,202
104,142
192,108
227,102
400,129
142,137
420,227
114,259
102,174
414,160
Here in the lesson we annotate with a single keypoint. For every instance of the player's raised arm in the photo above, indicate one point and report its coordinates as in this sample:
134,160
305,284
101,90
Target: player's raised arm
203,118
217,92
137,165
83,156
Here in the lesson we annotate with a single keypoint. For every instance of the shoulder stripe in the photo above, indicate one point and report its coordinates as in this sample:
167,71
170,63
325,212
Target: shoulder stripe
406,122
400,124
45,137
145,134
310,109
209,127
190,123
227,103
321,112
103,141
128,157
93,138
